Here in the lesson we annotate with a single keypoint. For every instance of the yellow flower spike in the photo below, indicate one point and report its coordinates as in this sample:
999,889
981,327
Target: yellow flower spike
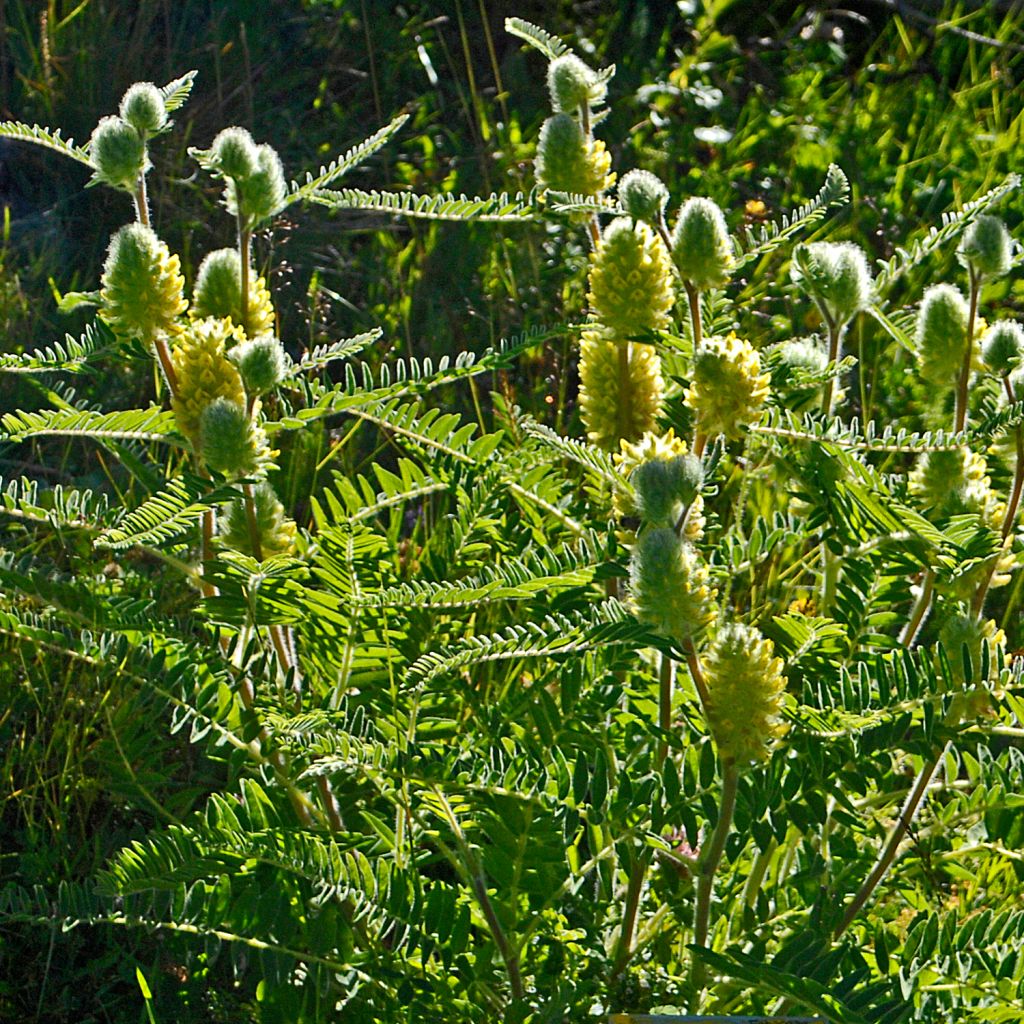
142,288
746,689
631,287
728,389
204,372
620,388
276,531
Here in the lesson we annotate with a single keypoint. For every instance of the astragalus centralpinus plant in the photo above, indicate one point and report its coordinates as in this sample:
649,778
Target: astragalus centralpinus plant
705,708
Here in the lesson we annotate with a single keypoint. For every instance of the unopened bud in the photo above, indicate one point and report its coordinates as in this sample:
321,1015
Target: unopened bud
701,246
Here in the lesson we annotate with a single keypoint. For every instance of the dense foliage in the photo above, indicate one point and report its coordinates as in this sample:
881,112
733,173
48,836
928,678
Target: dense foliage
654,653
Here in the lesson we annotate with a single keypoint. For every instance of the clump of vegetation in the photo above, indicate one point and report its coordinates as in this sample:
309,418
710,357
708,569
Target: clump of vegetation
698,705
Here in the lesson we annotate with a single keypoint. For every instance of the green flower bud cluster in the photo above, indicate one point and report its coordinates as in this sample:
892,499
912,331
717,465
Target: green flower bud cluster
665,480
230,440
117,148
941,336
274,530
728,390
986,247
142,106
701,247
955,482
836,276
620,388
256,185
574,85
746,688
1002,347
631,279
142,289
795,358
669,588
218,293
261,362
643,196
569,158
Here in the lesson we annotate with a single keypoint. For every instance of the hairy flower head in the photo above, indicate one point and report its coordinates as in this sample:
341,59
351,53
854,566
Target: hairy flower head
746,688
631,279
568,162
728,389
142,287
204,373
668,585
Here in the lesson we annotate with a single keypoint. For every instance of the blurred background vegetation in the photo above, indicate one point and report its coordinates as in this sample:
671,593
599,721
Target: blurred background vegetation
748,102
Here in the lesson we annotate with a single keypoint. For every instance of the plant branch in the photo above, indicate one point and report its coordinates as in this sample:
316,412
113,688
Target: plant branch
693,298
960,421
890,850
920,610
835,335
709,863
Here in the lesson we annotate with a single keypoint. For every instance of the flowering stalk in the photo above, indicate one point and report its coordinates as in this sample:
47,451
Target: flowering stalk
960,420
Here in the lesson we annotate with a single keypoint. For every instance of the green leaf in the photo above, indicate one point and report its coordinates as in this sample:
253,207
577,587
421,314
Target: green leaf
444,206
766,979
340,166
546,43
44,137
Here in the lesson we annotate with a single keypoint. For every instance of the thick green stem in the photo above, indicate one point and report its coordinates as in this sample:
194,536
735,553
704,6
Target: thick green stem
664,707
709,862
835,335
697,675
693,298
478,881
163,355
1012,506
245,257
960,421
624,946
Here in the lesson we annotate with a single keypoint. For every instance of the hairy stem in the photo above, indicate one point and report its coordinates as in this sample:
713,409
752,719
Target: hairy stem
163,355
919,612
693,298
1012,506
478,881
624,945
709,862
890,850
835,335
141,200
697,675
624,405
245,257
960,421
664,707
